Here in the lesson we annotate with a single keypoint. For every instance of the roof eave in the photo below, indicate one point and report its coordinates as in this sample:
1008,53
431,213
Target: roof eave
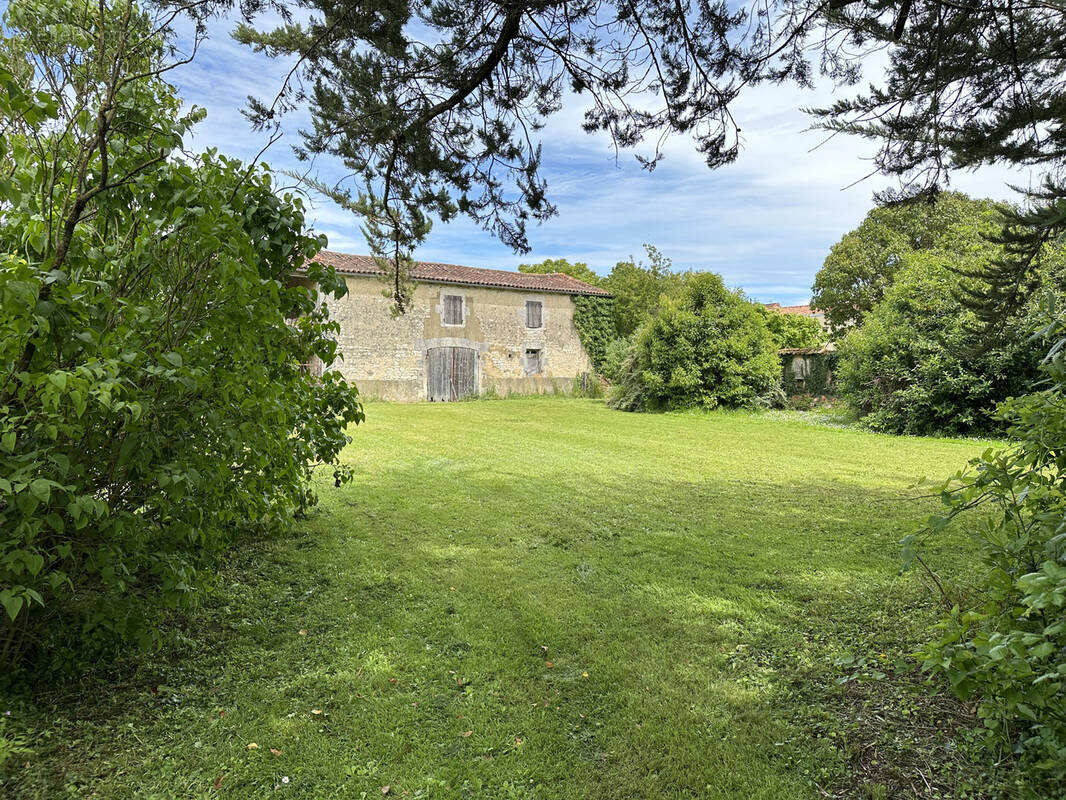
453,282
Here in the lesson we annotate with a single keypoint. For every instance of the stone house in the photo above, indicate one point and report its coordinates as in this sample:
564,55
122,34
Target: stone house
467,331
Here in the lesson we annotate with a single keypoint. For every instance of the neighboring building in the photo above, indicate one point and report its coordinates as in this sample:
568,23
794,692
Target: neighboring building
802,311
467,331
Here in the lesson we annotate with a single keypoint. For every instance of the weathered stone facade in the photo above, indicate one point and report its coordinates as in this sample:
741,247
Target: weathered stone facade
387,357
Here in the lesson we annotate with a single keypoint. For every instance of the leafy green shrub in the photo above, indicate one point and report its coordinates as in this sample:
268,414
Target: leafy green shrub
1008,650
617,350
916,366
710,348
153,402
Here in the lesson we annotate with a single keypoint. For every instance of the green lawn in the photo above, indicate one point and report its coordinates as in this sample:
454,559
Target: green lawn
543,598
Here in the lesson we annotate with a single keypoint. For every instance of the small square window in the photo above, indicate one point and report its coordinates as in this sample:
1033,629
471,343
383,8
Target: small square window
534,361
534,314
452,309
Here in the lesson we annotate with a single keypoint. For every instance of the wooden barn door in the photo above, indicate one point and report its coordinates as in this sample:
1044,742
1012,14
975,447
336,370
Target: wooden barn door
451,373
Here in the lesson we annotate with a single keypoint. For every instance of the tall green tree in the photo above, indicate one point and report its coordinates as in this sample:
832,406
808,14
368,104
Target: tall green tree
577,269
640,287
153,399
917,364
862,265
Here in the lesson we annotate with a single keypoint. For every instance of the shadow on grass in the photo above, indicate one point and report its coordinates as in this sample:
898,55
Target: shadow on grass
602,638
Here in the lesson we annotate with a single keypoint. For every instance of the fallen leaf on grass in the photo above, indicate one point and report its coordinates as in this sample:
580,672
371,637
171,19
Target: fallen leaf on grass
467,734
385,789
253,746
275,751
316,710
548,664
218,782
303,631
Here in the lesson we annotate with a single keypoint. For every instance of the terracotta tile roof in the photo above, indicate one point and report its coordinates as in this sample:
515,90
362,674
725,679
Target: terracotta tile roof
805,311
432,272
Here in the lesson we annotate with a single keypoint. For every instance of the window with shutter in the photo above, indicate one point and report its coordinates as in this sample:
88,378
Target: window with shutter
452,309
534,313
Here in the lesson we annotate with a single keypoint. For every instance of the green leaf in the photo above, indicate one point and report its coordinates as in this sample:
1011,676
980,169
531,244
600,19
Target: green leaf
1042,650
11,602
41,489
34,562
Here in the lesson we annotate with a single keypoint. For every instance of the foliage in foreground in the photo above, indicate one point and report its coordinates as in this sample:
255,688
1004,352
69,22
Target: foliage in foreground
917,366
153,401
1007,647
710,348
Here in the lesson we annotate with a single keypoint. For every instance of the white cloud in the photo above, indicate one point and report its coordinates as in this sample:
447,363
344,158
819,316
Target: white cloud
765,222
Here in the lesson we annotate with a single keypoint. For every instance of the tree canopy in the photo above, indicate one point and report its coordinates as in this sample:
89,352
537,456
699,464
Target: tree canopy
579,270
793,330
639,288
917,366
862,265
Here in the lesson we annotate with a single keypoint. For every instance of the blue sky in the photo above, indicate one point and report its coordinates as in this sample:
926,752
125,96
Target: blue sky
765,223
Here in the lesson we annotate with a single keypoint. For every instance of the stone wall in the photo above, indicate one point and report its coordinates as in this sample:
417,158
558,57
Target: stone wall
385,356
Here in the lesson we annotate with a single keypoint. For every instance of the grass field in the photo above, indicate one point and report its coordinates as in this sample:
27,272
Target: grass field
542,598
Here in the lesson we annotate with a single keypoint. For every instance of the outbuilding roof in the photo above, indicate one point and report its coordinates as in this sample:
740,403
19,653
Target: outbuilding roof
433,272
